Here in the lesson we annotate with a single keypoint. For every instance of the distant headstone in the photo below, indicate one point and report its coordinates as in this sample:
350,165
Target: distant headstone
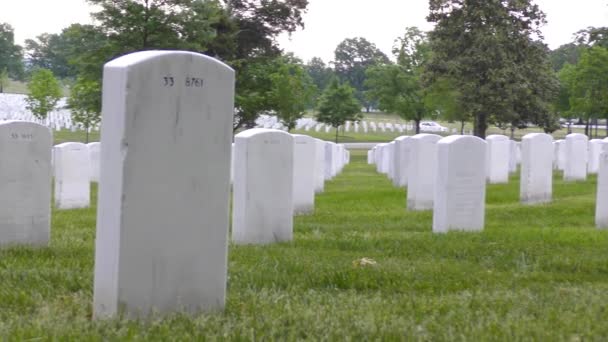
72,177
402,158
329,160
595,149
163,214
498,153
304,159
513,160
460,186
262,204
319,165
25,183
94,160
536,181
576,157
390,154
422,171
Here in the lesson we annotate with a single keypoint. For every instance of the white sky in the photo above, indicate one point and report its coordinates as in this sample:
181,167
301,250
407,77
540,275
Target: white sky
328,22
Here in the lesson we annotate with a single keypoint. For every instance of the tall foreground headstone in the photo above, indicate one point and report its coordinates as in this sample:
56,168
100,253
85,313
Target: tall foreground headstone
162,219
262,205
536,181
460,186
25,183
576,157
498,154
422,171
94,149
304,174
72,175
601,204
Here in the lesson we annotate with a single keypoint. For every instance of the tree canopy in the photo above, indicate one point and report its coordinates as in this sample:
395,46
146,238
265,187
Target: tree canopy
337,105
44,93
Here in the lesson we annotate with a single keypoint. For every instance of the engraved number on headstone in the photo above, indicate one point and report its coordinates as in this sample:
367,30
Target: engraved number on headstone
169,81
194,82
22,136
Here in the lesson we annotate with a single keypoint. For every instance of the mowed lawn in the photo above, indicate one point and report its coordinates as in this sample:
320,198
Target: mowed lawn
534,273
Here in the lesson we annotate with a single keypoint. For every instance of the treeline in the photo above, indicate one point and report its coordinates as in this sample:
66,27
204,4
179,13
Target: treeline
484,62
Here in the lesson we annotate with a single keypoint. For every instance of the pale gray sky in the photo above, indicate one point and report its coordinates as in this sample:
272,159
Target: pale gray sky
327,22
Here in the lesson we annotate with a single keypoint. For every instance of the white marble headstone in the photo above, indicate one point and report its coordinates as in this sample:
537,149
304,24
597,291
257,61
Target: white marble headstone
163,214
94,160
72,175
304,174
402,158
319,165
594,150
536,181
498,155
460,186
576,157
25,183
262,205
422,171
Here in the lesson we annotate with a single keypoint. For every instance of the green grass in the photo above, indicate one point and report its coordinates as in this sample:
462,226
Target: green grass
66,135
534,273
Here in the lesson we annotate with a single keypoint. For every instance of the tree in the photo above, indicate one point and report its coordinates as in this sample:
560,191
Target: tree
320,74
11,55
134,25
44,93
85,103
292,90
487,49
567,53
589,87
337,105
47,51
398,87
353,56
561,103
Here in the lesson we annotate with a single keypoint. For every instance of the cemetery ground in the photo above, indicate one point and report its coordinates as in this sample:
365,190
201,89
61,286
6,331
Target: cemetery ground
535,272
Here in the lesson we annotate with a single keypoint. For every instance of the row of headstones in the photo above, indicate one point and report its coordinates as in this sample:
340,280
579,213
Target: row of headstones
275,176
14,107
449,174
586,159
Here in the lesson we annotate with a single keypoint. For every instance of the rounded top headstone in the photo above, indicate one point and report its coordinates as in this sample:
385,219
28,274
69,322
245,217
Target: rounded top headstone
497,137
460,139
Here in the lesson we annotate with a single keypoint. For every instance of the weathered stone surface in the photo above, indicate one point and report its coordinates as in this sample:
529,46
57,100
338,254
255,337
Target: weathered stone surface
460,186
163,215
304,174
498,153
401,161
72,178
536,181
319,165
94,160
262,203
576,154
594,150
25,183
422,171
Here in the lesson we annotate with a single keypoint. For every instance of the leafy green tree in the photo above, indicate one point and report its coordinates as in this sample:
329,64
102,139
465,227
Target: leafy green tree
567,53
11,54
337,105
134,25
487,49
589,87
593,36
85,103
292,90
48,51
398,87
44,93
561,103
320,74
353,56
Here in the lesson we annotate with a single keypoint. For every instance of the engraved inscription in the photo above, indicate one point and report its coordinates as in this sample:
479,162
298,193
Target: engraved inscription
169,81
195,82
21,136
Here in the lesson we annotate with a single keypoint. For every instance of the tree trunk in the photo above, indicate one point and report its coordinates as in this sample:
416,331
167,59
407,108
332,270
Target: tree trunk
337,130
481,125
512,132
606,133
587,133
417,125
462,127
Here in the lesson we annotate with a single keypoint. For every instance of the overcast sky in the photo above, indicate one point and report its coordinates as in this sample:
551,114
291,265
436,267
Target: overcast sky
327,22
